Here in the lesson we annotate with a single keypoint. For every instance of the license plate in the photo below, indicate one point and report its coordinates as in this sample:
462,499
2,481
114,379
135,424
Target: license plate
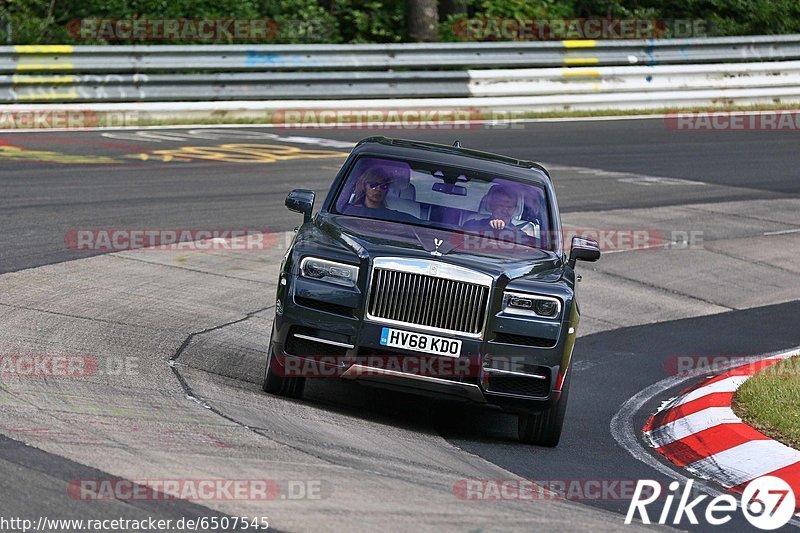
420,342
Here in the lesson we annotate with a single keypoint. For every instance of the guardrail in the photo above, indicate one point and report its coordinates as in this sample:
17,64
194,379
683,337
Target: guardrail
248,58
311,86
231,86
563,71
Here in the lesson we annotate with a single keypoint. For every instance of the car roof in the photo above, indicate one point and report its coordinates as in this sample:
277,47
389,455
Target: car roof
450,154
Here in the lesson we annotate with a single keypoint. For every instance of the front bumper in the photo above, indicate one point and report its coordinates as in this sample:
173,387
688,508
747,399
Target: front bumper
512,377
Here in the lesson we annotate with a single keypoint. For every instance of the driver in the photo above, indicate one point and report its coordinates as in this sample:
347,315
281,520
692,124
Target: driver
502,204
371,189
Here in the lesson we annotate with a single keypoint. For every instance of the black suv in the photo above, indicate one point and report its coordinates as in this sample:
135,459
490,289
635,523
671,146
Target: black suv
435,269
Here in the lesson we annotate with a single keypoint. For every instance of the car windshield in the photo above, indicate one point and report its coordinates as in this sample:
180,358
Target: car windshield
448,198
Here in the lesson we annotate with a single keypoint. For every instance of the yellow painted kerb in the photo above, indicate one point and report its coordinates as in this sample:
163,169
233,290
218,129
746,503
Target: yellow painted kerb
583,43
43,49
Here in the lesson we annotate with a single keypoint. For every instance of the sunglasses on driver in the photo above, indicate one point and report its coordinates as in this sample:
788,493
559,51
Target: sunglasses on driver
382,185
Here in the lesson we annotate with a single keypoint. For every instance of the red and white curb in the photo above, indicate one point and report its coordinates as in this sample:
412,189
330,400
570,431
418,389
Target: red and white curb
699,431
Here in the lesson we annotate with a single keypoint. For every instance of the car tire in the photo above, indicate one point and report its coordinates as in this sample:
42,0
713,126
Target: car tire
543,428
274,383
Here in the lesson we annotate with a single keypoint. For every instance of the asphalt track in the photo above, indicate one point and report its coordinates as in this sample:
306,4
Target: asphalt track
734,293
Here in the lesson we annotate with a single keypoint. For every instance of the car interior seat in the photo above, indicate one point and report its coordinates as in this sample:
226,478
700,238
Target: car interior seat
402,194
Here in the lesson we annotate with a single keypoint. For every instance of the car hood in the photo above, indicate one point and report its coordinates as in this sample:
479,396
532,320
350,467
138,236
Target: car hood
374,238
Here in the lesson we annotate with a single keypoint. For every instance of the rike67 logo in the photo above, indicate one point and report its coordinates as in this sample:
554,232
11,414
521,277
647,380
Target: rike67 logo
767,502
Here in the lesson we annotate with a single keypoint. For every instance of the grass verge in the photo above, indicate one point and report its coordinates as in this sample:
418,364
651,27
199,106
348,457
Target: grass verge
770,401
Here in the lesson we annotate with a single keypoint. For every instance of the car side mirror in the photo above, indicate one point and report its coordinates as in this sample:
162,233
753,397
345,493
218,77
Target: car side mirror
583,250
301,201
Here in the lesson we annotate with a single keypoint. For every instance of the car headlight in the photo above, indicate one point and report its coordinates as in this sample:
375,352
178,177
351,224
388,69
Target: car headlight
517,303
329,271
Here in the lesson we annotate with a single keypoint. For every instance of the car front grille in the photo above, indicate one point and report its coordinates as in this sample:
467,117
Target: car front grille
435,302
